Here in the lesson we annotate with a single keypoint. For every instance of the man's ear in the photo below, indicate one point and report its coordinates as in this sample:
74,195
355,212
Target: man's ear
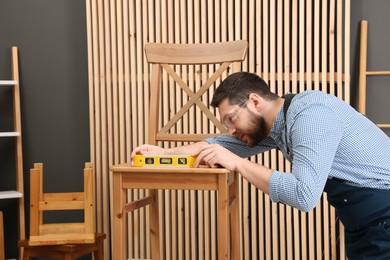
256,100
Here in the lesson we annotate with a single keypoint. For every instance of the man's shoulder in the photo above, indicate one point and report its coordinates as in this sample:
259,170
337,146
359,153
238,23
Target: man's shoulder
312,102
310,97
312,93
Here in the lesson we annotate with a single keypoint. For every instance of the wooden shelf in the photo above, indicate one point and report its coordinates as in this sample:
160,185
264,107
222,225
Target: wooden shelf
8,82
10,194
9,134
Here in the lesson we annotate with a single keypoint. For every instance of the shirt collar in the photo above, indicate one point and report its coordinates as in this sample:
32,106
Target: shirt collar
278,127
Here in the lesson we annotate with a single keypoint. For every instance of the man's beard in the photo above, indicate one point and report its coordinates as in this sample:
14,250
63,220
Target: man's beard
259,132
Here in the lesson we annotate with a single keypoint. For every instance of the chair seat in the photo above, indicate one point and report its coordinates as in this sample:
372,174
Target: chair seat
68,251
170,178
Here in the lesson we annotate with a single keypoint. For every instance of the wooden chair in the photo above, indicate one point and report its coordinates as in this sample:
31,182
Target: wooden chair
66,251
61,240
210,62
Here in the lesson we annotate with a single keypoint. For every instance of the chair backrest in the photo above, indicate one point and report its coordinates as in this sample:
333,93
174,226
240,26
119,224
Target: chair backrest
183,79
61,233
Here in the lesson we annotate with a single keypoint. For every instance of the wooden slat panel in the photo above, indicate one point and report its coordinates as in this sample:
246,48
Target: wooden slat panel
290,47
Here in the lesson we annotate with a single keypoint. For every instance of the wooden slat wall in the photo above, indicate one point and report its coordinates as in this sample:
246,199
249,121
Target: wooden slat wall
294,45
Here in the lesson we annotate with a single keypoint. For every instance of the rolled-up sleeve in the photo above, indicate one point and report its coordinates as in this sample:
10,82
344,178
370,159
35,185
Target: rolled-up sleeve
240,148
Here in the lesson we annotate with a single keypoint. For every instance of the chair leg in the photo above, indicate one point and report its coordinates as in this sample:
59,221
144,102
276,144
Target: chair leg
154,226
235,220
68,256
26,254
223,219
99,253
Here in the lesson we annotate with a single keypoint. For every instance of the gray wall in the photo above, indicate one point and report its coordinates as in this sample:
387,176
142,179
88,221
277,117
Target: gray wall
51,36
52,41
376,12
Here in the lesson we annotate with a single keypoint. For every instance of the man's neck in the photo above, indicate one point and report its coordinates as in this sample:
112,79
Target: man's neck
272,113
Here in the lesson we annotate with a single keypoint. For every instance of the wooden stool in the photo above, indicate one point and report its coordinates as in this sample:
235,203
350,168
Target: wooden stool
66,252
61,233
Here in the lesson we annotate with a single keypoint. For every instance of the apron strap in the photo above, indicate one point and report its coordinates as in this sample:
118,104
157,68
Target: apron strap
287,101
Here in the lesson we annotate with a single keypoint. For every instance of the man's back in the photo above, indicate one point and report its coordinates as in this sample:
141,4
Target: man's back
363,153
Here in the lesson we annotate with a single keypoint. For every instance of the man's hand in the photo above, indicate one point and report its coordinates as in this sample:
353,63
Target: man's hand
146,149
215,155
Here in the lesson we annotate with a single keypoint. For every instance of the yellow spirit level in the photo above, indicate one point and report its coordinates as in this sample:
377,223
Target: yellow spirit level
164,161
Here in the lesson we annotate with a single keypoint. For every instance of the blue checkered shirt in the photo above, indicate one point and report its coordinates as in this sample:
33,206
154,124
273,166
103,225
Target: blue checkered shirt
326,138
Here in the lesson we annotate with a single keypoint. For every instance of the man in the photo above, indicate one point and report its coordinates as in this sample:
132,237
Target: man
331,146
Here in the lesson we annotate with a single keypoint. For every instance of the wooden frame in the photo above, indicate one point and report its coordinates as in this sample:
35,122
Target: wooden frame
66,251
220,180
61,233
167,57
18,192
363,72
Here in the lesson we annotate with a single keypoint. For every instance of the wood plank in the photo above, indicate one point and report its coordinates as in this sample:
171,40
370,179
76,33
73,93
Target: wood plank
18,143
89,201
309,71
136,122
2,251
63,197
346,52
8,82
101,176
35,188
10,194
9,134
363,67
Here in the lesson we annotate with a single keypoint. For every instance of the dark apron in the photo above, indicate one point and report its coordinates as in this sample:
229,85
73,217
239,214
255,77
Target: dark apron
365,214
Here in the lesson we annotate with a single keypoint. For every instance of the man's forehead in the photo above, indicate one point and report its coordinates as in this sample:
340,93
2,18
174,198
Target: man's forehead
225,103
224,107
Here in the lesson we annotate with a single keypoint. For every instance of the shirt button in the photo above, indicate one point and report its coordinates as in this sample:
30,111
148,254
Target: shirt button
345,200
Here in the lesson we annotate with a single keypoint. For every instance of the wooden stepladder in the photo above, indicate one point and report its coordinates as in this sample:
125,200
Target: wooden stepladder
16,134
363,72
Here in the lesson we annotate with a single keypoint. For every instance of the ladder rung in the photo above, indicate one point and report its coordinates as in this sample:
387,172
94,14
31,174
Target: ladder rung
8,82
383,125
378,73
9,134
10,194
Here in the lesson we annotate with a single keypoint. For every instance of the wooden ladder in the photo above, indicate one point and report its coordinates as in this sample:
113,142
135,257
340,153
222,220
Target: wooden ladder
363,73
17,134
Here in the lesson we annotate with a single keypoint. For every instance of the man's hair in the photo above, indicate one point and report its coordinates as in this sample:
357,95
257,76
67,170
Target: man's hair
238,86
